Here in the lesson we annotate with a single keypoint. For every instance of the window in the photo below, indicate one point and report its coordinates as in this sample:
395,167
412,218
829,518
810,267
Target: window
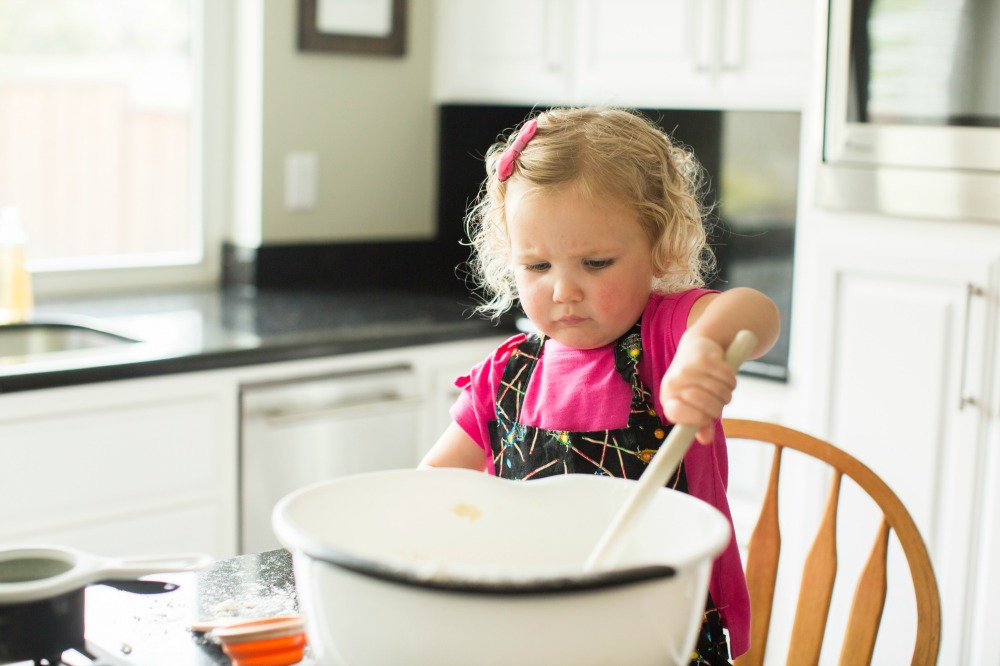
105,132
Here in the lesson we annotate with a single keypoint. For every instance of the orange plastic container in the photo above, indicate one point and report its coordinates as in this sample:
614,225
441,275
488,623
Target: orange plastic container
273,641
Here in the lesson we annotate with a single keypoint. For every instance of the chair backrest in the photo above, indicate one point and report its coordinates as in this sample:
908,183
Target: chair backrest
820,567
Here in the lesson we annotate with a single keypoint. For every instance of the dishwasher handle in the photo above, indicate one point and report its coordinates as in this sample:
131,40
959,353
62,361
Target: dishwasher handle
342,409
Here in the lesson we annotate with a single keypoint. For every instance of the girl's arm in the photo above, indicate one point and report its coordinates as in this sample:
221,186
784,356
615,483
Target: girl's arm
721,316
698,383
455,449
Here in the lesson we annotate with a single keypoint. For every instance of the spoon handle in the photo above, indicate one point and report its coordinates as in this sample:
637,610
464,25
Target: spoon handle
664,462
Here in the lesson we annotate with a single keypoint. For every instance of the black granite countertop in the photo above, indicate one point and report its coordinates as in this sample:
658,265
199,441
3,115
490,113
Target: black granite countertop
205,329
154,629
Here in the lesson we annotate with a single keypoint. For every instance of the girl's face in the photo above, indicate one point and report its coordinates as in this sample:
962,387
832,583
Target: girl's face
583,269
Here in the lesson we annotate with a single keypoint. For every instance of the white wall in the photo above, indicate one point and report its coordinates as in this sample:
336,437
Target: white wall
369,119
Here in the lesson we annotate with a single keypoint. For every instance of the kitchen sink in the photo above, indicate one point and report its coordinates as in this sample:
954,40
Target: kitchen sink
41,338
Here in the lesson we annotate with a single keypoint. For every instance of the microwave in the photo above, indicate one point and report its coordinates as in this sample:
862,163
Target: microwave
912,108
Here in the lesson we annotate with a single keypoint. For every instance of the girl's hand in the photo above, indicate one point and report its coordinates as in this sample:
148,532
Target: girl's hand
697,385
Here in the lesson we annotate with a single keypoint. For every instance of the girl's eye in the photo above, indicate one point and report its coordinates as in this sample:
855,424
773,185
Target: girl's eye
539,267
598,263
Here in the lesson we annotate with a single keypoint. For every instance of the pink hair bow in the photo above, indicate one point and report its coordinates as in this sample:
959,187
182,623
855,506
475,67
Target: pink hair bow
505,167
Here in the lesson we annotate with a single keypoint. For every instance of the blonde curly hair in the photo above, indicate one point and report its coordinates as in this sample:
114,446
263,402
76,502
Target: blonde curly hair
604,152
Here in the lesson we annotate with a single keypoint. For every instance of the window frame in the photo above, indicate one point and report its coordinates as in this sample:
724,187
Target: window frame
212,37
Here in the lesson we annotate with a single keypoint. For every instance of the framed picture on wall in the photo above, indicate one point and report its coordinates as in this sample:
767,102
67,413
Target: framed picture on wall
376,27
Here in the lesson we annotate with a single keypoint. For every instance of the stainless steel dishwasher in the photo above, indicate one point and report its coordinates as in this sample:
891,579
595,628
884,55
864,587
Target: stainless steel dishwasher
300,431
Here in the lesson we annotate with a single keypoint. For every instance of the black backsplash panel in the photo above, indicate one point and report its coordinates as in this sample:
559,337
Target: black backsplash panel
753,219
424,266
467,132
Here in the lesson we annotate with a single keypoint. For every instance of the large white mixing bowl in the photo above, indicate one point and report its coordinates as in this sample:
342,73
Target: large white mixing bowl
448,566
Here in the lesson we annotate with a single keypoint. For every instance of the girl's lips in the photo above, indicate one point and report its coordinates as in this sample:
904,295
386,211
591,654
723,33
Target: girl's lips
570,320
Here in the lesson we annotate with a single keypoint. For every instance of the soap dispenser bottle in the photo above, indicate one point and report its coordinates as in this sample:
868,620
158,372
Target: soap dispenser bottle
16,300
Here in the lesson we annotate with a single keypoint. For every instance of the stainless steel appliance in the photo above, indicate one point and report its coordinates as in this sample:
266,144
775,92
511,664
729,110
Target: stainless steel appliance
912,113
304,430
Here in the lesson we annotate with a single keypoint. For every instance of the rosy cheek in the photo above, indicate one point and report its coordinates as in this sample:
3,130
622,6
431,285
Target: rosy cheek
616,300
607,297
529,293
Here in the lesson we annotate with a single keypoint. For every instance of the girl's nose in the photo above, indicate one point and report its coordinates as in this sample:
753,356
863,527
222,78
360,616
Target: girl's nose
566,291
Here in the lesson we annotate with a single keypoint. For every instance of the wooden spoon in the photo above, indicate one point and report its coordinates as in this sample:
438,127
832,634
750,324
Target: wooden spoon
663,464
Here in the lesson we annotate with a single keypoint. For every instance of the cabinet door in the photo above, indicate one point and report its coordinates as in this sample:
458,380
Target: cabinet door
516,51
121,468
646,52
714,54
985,648
441,369
764,55
905,385
198,528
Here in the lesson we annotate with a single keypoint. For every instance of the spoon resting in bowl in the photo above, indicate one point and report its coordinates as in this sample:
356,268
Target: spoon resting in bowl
665,460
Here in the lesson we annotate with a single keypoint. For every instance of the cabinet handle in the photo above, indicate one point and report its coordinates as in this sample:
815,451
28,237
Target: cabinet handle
733,23
343,410
705,17
555,28
964,399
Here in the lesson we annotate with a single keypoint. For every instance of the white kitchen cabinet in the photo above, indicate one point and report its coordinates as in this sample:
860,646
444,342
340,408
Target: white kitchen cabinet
985,649
711,54
729,54
121,468
439,367
514,52
904,341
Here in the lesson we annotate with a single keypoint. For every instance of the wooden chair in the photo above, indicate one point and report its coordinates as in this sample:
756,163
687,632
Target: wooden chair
820,567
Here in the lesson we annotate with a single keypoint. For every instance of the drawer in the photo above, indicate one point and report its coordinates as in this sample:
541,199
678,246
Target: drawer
73,465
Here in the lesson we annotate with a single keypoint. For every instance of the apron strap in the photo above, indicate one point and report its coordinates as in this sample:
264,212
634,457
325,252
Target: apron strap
516,374
628,353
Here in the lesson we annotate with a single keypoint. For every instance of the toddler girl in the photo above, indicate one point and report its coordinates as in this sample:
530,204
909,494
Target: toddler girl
590,219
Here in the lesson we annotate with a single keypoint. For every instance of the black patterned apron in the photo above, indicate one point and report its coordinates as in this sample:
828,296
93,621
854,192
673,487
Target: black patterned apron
528,452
